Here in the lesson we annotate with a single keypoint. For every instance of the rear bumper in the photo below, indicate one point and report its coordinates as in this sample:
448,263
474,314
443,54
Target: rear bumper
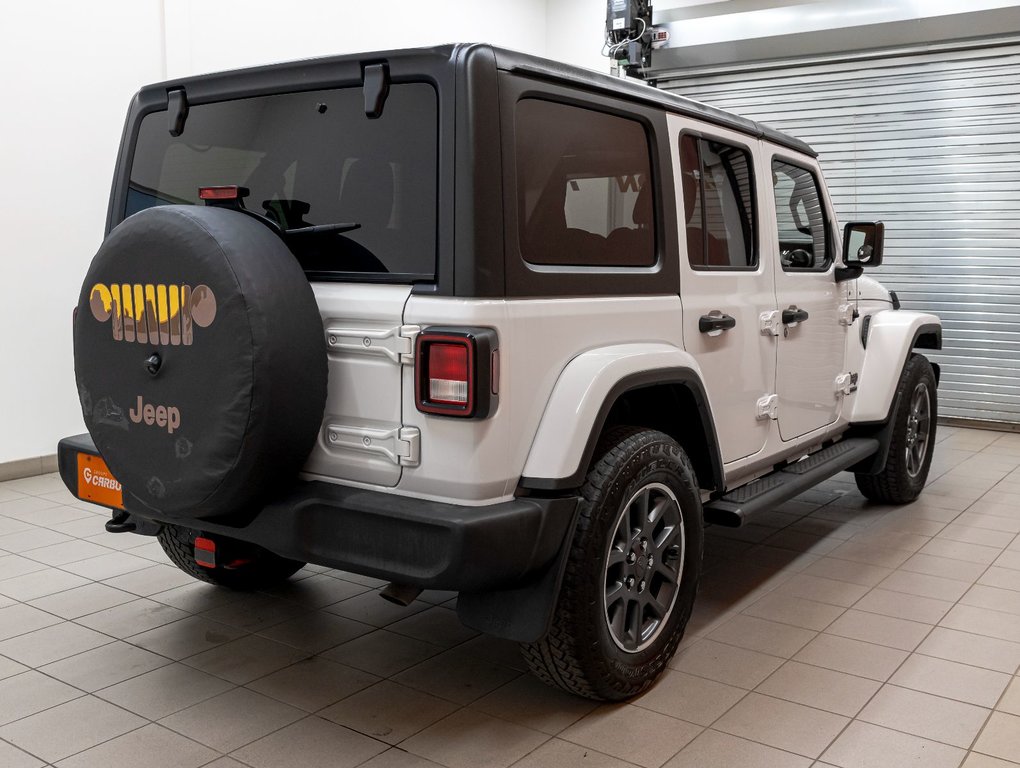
425,543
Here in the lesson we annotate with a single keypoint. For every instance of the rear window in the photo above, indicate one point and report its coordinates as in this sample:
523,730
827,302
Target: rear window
311,158
583,187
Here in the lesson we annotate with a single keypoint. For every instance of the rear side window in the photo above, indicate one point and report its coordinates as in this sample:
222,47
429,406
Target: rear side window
718,191
311,158
584,190
800,217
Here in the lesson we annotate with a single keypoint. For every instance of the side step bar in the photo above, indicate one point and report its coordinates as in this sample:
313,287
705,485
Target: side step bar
769,491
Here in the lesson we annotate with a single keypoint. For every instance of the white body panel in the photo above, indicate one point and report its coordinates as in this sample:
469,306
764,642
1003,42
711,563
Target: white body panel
889,342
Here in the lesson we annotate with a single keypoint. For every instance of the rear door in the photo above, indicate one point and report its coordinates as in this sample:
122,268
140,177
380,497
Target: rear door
725,284
812,342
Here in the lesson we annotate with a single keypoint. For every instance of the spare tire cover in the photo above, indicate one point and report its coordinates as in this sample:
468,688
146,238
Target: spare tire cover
200,360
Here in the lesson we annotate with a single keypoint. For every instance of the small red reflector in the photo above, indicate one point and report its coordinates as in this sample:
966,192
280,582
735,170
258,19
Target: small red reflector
219,193
205,552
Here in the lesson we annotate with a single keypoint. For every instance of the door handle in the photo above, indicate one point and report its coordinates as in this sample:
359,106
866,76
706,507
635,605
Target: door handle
794,315
715,323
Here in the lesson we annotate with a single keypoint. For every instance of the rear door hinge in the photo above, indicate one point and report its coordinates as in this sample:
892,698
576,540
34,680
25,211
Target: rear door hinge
767,408
846,383
401,445
847,314
770,323
395,343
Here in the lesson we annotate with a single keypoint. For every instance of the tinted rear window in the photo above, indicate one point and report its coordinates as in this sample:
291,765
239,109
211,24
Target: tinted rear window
311,158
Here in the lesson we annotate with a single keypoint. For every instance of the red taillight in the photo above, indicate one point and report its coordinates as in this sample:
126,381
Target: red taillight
219,193
446,374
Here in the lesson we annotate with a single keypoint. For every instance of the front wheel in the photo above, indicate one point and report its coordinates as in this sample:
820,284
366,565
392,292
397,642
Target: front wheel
632,572
243,567
913,438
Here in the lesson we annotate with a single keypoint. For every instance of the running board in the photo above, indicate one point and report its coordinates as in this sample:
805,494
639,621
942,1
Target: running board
773,489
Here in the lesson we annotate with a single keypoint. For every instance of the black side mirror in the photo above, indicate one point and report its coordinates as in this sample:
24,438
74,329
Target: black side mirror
863,242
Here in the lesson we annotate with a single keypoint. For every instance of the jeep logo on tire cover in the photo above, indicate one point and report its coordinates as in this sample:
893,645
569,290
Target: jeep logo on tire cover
153,314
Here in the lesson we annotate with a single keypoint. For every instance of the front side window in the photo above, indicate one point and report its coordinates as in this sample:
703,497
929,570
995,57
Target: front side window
584,190
718,191
800,217
311,158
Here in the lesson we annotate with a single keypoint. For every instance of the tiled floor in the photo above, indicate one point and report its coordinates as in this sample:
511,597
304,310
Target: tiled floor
828,632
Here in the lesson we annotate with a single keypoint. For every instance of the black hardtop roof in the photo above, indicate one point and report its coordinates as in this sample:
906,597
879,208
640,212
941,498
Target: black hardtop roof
321,72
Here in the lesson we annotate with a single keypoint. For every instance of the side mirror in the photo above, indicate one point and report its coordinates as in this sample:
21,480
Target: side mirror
863,242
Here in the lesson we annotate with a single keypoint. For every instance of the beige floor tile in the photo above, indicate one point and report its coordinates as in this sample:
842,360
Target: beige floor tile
713,749
1003,578
394,757
631,733
388,711
69,728
869,553
951,680
947,568
968,618
989,522
310,743
557,753
530,702
131,618
30,692
993,598
39,584
439,626
151,745
108,566
923,585
958,550
504,652
163,691
456,676
903,606
312,684
1010,703
318,590
967,648
18,619
80,601
67,552
316,632
974,535
255,613
104,666
23,542
52,644
9,668
687,697
881,630
822,590
232,719
975,760
186,637
468,739
197,596
1000,737
383,653
855,657
782,724
16,565
245,659
892,539
765,636
825,689
863,745
725,663
149,581
924,715
25,507
796,611
848,570
1009,559
12,757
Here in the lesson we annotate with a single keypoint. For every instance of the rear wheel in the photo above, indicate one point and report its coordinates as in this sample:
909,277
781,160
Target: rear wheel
632,571
913,438
244,566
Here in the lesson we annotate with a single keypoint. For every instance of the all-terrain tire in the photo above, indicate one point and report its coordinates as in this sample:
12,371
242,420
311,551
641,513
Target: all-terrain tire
913,438
259,569
585,651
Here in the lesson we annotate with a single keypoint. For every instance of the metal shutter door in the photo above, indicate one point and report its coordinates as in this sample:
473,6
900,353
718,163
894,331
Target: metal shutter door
928,142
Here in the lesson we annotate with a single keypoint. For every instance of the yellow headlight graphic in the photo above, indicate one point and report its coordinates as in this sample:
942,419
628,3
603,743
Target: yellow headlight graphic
153,314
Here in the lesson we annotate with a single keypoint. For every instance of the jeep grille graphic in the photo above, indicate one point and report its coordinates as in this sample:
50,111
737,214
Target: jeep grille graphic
153,314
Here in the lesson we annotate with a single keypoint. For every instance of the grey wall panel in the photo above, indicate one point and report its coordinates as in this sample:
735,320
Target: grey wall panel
928,142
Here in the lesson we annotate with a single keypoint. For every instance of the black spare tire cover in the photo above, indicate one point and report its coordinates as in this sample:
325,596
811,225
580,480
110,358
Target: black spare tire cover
200,360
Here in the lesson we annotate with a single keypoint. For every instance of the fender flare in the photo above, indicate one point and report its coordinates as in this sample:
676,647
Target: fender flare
583,397
891,337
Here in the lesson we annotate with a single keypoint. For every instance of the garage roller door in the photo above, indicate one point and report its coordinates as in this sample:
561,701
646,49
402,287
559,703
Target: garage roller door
928,142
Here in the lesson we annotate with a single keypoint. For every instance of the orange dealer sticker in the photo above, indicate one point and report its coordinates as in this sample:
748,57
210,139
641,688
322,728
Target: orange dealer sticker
96,484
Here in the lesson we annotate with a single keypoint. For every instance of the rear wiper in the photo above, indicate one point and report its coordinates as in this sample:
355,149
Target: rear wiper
322,229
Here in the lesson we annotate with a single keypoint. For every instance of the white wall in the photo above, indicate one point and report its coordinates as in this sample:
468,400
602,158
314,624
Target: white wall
70,69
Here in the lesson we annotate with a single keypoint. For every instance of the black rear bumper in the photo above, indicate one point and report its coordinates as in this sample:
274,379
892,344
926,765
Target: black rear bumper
429,544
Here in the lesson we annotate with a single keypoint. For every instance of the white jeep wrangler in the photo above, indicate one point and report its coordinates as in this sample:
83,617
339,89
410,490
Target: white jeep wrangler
464,319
